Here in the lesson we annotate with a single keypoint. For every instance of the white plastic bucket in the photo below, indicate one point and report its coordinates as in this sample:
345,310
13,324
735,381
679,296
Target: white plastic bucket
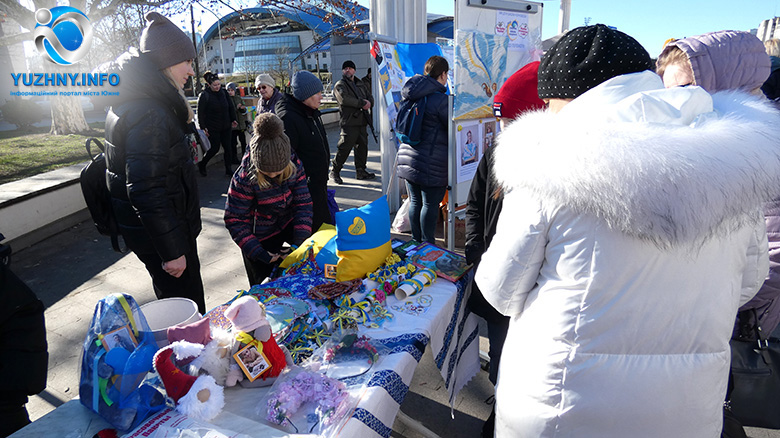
168,312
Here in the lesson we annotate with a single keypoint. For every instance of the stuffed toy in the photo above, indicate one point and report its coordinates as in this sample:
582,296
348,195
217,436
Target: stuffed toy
215,359
251,327
198,397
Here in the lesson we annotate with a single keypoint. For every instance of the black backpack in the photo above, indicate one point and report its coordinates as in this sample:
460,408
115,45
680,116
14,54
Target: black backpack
94,187
408,125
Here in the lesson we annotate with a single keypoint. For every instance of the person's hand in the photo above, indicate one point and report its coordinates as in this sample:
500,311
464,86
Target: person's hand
234,124
366,105
175,267
206,131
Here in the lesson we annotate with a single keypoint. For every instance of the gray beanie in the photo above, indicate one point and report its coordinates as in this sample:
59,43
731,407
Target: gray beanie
270,146
305,85
165,43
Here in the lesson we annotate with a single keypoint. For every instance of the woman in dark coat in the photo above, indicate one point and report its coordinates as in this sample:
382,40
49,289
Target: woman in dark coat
217,117
424,166
303,124
151,175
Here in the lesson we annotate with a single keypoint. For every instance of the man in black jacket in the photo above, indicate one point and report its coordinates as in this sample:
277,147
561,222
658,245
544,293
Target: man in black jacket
354,104
303,125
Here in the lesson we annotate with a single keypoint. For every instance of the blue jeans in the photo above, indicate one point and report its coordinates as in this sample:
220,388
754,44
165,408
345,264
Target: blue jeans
424,210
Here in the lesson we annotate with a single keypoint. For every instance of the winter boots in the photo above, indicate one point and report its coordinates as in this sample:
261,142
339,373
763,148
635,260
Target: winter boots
364,174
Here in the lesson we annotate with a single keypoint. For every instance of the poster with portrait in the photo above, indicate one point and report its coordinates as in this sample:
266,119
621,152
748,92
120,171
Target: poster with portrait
489,127
468,145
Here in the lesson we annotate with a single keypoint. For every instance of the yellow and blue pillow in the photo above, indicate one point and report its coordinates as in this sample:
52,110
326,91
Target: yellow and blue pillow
318,240
362,239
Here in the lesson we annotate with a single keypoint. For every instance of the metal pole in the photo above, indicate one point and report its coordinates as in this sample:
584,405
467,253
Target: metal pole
564,16
196,79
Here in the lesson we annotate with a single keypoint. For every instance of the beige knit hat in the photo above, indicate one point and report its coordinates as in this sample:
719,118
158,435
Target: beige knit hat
270,146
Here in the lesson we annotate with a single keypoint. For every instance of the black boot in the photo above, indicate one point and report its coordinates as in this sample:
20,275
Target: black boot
335,174
202,168
363,174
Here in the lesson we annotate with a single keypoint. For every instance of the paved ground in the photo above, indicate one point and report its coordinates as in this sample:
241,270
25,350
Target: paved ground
72,270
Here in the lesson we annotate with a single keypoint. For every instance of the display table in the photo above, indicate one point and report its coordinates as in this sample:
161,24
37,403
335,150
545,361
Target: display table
447,326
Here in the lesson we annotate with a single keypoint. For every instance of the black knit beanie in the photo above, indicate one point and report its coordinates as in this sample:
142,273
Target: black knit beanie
587,56
165,43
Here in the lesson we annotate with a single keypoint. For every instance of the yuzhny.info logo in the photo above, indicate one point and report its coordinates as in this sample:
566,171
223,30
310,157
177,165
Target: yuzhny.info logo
63,34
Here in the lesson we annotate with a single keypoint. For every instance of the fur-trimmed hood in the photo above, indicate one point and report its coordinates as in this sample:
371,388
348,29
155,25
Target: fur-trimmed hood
671,166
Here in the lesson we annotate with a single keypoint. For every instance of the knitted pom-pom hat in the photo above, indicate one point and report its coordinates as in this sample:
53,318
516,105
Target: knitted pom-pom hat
270,146
587,56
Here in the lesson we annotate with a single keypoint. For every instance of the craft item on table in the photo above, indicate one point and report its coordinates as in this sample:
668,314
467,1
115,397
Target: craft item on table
301,350
198,397
359,310
404,248
380,315
305,266
415,307
352,356
298,284
446,264
362,239
217,343
315,243
414,285
216,317
287,317
344,318
312,392
334,290
255,345
112,377
262,292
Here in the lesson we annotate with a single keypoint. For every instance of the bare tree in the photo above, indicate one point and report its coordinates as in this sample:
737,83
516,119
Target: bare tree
117,24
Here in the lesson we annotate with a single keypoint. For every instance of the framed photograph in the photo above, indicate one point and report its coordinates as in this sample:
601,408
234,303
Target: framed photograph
330,271
121,337
446,264
252,362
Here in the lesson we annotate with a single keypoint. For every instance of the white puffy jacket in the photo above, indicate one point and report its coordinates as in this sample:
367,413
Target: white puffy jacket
630,234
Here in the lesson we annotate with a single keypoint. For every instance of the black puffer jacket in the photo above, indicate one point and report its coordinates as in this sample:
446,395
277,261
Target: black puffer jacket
426,163
151,175
216,111
307,137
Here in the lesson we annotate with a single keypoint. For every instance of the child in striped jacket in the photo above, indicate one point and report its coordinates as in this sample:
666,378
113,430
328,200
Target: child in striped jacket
268,201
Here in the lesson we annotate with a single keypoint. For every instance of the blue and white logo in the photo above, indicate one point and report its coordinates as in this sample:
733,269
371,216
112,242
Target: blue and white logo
63,34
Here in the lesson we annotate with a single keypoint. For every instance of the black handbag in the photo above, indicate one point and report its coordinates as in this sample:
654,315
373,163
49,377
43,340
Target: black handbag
755,365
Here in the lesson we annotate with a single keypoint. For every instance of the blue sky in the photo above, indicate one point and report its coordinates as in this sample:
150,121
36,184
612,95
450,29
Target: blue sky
650,22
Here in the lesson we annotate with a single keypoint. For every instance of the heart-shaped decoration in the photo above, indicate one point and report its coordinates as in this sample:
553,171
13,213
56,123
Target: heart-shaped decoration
358,227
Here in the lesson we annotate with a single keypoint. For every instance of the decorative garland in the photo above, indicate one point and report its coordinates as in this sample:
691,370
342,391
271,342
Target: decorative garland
329,394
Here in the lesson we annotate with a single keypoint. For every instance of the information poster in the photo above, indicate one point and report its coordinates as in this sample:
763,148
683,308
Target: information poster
472,140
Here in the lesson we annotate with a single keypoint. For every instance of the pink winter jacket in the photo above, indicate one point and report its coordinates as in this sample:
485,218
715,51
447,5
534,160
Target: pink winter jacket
726,60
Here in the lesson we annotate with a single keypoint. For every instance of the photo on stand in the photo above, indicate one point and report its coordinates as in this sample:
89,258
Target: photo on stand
121,337
252,362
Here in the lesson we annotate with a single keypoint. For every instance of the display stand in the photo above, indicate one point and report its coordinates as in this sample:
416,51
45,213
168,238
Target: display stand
493,39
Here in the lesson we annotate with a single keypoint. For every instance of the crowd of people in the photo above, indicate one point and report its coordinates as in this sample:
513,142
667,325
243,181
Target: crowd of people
615,224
